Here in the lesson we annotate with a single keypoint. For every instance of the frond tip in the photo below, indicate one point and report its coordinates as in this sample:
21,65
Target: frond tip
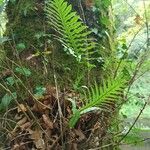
72,32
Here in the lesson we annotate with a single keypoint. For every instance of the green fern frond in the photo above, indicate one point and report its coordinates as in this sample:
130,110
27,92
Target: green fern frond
101,96
72,32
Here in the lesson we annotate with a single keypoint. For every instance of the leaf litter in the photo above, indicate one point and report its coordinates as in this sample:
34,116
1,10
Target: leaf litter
38,125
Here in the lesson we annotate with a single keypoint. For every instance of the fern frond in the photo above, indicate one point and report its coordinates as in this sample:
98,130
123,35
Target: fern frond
73,33
102,96
3,4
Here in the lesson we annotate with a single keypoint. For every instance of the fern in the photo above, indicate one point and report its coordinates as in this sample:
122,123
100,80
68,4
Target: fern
100,97
3,4
72,32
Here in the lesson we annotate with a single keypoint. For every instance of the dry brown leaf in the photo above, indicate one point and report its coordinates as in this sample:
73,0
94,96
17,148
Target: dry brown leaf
5,74
18,116
19,124
69,110
21,108
15,147
37,138
89,3
40,144
47,121
138,19
46,102
20,146
36,134
40,106
74,146
22,121
79,134
25,126
50,89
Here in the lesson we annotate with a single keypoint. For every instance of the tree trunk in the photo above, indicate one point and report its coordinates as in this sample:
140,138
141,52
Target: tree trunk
27,25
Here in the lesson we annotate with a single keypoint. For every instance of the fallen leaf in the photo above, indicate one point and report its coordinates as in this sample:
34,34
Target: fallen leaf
25,126
19,124
79,134
38,107
22,121
138,19
18,116
47,121
20,146
36,136
89,3
16,147
74,146
21,108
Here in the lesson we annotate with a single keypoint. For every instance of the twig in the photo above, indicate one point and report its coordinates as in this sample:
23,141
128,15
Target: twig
146,24
57,97
131,7
138,66
115,74
110,144
133,123
84,20
118,143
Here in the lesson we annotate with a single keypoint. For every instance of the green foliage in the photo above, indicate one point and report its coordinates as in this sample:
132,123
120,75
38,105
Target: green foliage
39,91
10,81
138,95
1,1
20,47
100,97
132,138
76,114
3,4
3,39
23,71
73,34
5,101
78,81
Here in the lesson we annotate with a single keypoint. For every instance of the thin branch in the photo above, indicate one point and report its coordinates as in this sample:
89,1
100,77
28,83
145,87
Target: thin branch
58,100
120,62
137,68
133,123
118,143
131,7
146,24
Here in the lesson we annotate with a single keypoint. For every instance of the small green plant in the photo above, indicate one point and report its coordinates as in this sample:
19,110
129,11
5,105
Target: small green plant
39,91
23,71
20,47
6,100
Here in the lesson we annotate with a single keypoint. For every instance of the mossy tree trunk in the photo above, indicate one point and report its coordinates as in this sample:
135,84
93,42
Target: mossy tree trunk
27,27
25,19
